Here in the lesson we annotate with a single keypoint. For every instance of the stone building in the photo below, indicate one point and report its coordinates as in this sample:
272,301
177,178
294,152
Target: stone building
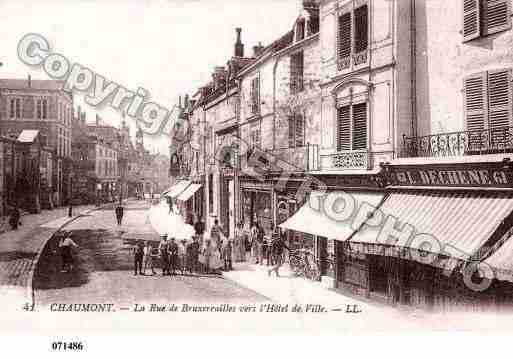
42,105
377,134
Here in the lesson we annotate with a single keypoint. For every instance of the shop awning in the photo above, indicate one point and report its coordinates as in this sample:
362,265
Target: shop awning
502,261
316,222
189,192
175,190
461,222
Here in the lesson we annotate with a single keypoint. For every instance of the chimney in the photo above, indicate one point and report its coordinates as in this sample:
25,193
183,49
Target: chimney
29,83
239,46
257,49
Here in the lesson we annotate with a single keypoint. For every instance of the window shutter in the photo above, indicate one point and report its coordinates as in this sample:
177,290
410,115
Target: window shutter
360,126
344,40
361,29
299,130
291,131
471,19
257,97
499,98
496,16
476,102
344,129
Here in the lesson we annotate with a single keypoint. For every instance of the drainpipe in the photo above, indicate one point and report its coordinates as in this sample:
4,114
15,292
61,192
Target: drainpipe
275,67
413,47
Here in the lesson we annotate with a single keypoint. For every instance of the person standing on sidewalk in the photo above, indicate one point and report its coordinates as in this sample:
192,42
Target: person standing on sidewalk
239,247
194,248
215,235
164,256
254,241
207,255
138,257
119,213
149,257
227,254
199,226
65,245
277,247
172,250
14,219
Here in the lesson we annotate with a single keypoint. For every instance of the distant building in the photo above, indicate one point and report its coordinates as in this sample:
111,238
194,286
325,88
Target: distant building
42,105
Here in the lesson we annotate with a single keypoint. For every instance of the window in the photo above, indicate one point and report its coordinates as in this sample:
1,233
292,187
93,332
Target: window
297,72
210,193
300,30
352,127
353,37
42,109
296,131
15,110
255,96
485,17
488,105
255,135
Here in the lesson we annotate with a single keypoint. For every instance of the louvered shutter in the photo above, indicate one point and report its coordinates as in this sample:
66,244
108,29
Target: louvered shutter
360,126
257,97
499,107
344,129
291,131
471,19
299,130
476,110
361,29
496,16
344,40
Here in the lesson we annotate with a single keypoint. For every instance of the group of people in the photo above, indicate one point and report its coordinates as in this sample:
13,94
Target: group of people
170,255
269,251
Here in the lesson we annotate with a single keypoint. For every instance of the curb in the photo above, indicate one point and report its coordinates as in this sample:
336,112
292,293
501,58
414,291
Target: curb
30,282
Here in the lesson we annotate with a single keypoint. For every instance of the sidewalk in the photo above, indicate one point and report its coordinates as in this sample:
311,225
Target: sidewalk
287,288
19,250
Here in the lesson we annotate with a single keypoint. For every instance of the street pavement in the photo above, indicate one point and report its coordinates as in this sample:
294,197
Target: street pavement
103,274
103,269
19,249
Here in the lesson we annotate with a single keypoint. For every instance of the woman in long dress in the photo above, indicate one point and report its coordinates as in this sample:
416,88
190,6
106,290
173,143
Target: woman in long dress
239,247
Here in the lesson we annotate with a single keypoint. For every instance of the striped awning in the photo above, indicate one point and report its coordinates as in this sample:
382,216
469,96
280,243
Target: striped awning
189,192
461,222
175,190
312,219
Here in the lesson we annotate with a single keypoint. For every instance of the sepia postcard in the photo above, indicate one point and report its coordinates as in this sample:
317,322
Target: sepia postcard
272,166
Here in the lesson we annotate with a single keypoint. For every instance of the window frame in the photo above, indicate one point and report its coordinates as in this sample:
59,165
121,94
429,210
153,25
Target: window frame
295,141
353,59
351,104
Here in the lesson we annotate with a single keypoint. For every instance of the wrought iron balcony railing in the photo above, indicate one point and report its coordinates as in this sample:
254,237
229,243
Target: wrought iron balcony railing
346,160
463,143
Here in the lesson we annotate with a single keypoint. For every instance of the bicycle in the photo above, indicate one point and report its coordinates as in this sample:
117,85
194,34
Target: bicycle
302,263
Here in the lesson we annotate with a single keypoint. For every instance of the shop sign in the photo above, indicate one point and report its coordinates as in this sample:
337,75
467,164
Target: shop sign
453,177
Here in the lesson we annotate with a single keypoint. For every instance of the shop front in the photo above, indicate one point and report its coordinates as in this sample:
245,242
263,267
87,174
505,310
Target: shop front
424,244
257,204
320,220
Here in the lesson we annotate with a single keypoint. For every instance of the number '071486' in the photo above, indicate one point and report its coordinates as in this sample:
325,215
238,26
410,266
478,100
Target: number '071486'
67,346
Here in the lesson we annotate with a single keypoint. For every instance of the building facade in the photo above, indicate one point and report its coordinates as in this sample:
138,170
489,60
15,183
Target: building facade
42,105
377,134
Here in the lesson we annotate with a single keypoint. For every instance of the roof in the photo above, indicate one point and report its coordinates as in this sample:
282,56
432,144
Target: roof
28,136
22,84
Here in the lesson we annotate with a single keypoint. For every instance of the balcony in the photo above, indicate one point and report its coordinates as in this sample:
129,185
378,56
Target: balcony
463,143
346,160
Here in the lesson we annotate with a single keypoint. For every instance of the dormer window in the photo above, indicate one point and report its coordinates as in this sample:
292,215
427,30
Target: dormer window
300,30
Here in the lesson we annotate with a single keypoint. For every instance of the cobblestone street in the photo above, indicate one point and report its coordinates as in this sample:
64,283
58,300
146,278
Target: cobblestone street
103,268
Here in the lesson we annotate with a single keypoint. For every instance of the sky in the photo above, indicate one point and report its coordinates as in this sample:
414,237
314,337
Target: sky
169,48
